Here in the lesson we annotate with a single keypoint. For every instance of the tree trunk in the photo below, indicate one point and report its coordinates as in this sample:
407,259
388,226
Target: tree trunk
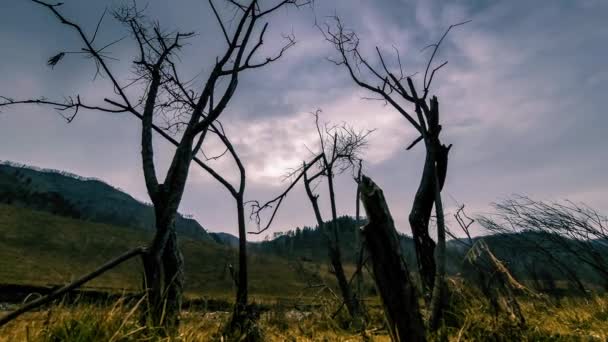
153,276
164,277
440,289
420,215
163,264
352,303
349,298
358,241
389,268
240,313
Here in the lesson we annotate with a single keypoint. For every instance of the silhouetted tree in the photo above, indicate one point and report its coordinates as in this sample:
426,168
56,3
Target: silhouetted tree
395,88
241,313
339,149
193,111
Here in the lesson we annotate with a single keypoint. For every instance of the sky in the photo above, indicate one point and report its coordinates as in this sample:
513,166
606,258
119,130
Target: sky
521,100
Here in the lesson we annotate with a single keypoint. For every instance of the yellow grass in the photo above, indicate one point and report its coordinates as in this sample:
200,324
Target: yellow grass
568,320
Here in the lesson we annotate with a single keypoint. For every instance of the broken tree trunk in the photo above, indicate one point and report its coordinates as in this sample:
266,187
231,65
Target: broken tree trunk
439,294
390,271
496,282
73,285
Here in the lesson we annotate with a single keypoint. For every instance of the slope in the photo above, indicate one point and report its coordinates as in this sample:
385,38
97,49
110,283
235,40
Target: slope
39,248
89,199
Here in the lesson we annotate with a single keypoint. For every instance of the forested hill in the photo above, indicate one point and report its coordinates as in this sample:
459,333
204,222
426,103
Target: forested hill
530,256
69,195
310,243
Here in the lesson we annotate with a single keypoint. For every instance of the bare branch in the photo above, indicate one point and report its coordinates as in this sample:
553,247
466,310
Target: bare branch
426,84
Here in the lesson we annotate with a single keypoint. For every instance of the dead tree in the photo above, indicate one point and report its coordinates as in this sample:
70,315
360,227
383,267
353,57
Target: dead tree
390,271
241,279
339,148
398,90
161,92
531,247
496,282
489,273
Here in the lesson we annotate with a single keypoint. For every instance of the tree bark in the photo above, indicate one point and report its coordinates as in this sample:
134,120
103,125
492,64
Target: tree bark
390,271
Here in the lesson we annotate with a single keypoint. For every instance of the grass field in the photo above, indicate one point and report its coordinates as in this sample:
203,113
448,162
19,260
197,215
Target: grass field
38,248
568,320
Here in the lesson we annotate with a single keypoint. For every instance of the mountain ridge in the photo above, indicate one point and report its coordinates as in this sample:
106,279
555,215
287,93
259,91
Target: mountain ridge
91,199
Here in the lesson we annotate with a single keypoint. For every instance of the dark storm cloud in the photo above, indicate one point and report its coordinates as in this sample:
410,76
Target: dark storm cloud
521,100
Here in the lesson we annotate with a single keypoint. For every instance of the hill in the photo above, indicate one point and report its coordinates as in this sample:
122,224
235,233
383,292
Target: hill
310,243
88,199
38,248
55,225
540,260
225,239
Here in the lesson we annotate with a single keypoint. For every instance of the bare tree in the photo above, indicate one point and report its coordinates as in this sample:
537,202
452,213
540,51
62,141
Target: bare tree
339,149
398,90
193,112
241,279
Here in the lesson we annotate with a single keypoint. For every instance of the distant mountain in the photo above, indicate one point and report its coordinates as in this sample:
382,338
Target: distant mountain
89,199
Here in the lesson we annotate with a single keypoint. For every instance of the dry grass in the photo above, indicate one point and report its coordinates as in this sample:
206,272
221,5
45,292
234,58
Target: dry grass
568,320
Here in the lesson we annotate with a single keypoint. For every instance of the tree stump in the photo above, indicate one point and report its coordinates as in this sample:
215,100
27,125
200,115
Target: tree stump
389,269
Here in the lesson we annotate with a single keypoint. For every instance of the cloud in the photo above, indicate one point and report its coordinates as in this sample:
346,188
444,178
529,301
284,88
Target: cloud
522,100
